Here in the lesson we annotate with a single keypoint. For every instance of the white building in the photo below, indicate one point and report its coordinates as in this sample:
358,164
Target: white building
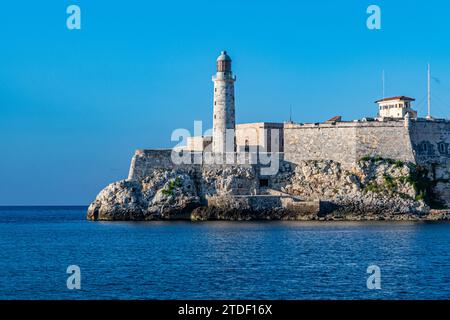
396,107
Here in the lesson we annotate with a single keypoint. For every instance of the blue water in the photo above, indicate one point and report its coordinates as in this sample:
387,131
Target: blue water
218,260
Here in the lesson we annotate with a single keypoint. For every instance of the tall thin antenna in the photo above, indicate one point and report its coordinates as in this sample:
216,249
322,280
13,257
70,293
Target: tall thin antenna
290,114
429,92
383,84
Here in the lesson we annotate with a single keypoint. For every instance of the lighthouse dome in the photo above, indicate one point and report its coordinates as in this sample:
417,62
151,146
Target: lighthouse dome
224,56
224,63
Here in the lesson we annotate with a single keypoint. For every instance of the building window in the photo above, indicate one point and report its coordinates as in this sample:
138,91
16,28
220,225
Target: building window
443,147
246,146
424,147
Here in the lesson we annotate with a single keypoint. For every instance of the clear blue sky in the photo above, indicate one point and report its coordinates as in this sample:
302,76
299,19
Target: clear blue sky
74,105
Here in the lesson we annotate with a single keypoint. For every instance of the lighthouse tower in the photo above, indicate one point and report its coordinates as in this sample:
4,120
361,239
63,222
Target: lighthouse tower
224,119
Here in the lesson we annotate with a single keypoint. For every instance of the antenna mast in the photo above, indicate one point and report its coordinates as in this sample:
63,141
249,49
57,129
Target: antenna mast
429,93
383,83
290,114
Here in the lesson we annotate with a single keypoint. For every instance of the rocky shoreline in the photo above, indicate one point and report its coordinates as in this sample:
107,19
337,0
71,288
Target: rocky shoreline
374,189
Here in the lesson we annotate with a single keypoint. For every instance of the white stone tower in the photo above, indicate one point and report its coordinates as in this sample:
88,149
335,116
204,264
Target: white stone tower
224,118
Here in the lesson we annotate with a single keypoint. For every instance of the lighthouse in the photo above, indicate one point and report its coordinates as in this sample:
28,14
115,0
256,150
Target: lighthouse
224,117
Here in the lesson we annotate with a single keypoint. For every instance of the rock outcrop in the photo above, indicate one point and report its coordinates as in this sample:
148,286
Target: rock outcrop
380,187
166,194
374,189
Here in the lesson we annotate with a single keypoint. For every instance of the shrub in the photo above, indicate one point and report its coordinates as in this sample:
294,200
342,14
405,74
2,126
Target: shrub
403,179
420,196
389,182
398,164
178,182
173,183
373,187
423,186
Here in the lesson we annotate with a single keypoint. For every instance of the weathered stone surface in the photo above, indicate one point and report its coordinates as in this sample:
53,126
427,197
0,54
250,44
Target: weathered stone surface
370,187
256,207
436,215
121,200
166,194
347,142
231,180
373,189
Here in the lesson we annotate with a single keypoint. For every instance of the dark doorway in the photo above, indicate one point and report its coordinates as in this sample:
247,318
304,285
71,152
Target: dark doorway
247,146
263,183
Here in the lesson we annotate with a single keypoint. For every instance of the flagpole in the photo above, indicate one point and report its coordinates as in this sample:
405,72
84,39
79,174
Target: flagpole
429,93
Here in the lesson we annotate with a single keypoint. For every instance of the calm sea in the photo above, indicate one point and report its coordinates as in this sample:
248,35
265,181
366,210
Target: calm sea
217,260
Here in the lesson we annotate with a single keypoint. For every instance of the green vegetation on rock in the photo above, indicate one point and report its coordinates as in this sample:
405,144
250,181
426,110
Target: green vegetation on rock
423,185
389,183
396,163
171,185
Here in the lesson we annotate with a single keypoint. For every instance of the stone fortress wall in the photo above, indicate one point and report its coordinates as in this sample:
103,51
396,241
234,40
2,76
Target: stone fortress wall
421,141
348,142
425,142
430,141
145,161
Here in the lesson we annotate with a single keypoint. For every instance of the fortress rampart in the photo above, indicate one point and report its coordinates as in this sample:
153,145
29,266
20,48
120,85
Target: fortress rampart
430,142
145,161
421,141
347,142
424,142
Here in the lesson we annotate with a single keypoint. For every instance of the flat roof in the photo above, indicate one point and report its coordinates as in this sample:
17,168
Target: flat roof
404,98
261,124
